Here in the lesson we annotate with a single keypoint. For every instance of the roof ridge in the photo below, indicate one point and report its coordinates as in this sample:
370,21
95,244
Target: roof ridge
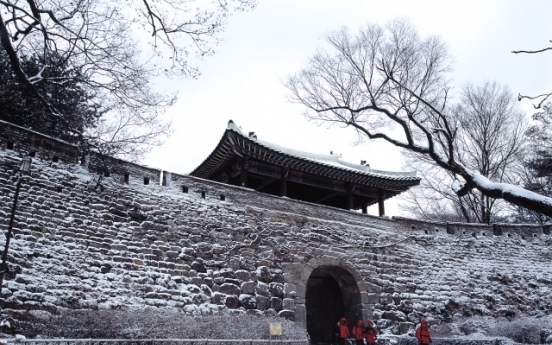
338,160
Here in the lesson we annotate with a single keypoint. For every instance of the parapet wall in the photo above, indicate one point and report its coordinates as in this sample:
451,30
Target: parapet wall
91,238
523,231
34,144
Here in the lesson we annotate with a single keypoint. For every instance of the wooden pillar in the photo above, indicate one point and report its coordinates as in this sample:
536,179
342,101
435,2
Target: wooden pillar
364,208
283,181
381,194
243,176
350,197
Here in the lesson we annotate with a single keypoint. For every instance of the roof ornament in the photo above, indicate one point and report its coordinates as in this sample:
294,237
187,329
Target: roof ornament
253,136
232,125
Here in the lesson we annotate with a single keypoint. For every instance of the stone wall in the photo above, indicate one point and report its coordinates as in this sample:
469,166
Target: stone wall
28,142
85,238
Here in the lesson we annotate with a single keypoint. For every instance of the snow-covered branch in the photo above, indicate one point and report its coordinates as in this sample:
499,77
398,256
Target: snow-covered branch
386,79
102,41
544,97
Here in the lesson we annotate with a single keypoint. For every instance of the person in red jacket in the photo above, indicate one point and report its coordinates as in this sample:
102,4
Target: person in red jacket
358,332
343,331
422,333
370,334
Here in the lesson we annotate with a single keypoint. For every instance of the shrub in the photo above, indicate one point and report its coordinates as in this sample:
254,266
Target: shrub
158,324
522,330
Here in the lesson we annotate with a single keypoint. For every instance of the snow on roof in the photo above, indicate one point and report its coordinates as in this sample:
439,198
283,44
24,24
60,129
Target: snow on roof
334,160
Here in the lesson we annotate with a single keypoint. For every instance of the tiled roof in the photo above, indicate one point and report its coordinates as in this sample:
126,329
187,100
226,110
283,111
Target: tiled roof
236,142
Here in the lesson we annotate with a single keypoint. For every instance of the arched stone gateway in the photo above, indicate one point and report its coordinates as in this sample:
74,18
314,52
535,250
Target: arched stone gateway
328,288
332,293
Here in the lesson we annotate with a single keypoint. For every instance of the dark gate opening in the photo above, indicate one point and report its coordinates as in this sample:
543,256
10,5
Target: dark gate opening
324,308
332,293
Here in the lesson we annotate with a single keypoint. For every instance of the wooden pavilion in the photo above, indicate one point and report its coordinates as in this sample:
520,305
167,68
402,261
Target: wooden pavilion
244,160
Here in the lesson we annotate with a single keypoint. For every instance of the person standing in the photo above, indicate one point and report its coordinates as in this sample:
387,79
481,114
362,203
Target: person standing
343,331
358,332
422,333
370,334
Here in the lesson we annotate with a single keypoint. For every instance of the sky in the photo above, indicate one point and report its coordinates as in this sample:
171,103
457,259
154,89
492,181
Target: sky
244,80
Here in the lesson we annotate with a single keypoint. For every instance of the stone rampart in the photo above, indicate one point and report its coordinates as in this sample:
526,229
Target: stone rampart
34,144
92,238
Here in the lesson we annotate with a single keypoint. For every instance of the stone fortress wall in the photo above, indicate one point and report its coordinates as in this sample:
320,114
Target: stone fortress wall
117,234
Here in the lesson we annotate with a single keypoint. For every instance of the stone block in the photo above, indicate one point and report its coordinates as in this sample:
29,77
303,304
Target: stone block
263,302
394,315
406,327
369,298
369,287
289,290
229,289
248,288
227,273
195,238
263,274
278,278
248,301
276,303
367,314
199,266
277,289
243,275
199,298
287,314
262,289
292,268
386,298
231,301
171,254
301,290
206,290
208,281
232,281
391,325
288,304
301,314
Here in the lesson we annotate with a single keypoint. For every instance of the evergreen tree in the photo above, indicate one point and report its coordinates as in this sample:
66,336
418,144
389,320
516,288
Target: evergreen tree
65,87
538,163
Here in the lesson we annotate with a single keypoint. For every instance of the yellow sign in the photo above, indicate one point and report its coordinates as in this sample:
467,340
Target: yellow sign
275,328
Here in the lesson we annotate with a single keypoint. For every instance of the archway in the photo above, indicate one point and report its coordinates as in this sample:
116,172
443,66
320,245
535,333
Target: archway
332,293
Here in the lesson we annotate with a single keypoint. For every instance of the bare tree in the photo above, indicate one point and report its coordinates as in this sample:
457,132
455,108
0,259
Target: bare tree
119,47
537,173
491,139
389,84
540,98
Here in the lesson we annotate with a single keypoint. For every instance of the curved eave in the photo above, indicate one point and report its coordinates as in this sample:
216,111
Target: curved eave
234,144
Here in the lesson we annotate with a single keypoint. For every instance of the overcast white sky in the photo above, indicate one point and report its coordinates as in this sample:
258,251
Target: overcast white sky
243,81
